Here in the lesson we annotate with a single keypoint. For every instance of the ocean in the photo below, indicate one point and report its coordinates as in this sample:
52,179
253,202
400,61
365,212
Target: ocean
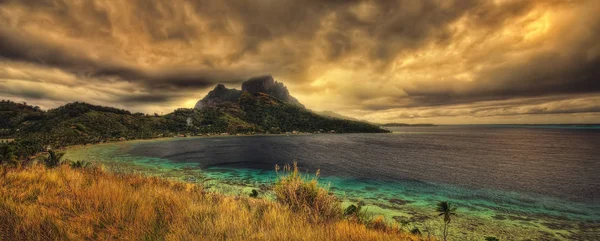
512,182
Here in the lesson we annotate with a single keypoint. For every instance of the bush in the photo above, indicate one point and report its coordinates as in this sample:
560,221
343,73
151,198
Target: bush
352,210
8,154
303,195
53,159
415,231
254,193
356,213
79,164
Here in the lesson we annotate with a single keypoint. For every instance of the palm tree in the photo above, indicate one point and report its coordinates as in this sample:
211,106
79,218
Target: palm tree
445,209
53,159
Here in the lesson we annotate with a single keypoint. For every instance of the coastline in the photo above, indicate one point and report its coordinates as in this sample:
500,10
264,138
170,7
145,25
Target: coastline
232,183
74,147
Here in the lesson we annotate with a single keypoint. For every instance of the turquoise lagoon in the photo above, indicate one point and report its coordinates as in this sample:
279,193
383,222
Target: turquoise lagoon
511,183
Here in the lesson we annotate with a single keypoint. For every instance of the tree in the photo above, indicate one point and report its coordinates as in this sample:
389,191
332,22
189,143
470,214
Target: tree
445,209
53,159
7,153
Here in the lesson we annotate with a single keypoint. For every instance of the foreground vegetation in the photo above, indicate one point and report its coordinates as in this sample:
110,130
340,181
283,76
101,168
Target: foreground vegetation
79,203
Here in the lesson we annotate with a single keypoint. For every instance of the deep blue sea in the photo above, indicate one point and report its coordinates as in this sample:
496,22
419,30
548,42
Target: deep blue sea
545,179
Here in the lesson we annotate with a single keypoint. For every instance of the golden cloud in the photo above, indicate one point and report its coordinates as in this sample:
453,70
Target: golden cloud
412,61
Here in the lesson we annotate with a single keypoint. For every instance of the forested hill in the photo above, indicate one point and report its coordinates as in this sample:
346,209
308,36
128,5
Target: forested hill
82,123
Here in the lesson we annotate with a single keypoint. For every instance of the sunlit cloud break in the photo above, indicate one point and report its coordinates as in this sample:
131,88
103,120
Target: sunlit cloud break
444,62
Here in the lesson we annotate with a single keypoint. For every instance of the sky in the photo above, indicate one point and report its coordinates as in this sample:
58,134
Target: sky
409,61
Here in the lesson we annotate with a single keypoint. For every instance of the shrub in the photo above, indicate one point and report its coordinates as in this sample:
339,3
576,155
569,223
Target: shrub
356,213
53,159
254,193
352,210
415,231
79,164
7,154
491,238
303,195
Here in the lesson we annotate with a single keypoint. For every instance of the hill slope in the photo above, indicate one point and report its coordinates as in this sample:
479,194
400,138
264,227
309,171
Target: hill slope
81,123
265,105
263,84
270,113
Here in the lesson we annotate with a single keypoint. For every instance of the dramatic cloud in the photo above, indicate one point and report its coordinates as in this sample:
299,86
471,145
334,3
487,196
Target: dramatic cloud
442,61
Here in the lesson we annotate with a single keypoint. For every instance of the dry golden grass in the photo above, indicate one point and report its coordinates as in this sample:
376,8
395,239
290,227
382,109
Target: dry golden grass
89,204
306,196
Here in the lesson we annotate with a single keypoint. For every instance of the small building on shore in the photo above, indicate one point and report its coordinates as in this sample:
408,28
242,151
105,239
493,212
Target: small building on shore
3,141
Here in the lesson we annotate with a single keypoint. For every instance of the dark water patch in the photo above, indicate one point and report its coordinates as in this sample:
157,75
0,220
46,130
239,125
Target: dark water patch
519,218
384,206
558,226
402,219
418,217
371,189
554,163
264,187
399,202
221,170
585,231
358,192
190,179
516,176
262,166
473,209
545,236
474,226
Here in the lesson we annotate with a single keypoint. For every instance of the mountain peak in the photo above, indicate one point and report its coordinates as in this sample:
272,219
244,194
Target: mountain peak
261,84
266,84
220,87
220,94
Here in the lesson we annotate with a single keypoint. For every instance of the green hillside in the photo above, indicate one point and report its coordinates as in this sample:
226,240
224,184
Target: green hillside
81,123
270,113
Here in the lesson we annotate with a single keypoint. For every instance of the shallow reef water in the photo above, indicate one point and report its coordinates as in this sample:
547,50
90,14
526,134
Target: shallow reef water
511,183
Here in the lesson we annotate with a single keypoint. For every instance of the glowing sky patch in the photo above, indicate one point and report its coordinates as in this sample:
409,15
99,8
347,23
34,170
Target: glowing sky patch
463,61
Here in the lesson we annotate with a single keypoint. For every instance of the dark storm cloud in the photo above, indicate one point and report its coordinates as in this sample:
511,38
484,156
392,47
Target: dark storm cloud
23,47
368,55
33,94
395,26
549,73
530,107
150,98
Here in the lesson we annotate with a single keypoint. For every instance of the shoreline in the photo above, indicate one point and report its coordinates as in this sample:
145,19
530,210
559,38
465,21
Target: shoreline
213,136
73,147
521,225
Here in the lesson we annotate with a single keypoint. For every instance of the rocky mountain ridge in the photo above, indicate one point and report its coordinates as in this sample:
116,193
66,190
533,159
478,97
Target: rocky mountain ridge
262,84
